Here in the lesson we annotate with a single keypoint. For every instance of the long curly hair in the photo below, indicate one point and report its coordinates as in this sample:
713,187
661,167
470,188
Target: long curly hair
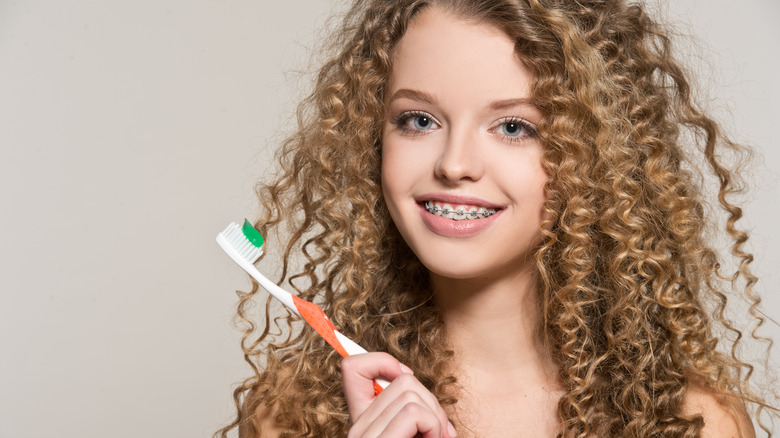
633,296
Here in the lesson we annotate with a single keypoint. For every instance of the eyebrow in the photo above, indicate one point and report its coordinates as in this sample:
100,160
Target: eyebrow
424,97
417,95
510,103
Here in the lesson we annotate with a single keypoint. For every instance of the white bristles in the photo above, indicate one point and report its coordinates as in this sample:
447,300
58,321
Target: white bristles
234,237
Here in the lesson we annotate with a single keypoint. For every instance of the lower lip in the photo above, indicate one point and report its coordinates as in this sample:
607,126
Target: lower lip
450,228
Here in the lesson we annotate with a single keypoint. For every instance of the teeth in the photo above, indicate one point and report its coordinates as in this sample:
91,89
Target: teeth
458,212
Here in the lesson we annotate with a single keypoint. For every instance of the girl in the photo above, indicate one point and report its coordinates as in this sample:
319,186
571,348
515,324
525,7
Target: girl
502,197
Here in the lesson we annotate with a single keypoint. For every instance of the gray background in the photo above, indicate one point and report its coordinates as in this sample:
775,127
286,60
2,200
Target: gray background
132,132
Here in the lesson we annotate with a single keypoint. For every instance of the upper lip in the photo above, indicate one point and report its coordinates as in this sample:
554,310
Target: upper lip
457,199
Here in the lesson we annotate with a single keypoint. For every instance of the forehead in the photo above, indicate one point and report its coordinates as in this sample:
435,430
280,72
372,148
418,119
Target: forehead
441,51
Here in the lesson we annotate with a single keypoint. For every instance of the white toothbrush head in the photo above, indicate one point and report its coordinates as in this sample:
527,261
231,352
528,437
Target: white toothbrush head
236,243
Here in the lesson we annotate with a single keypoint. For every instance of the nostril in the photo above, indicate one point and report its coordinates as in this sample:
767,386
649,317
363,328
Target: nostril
454,171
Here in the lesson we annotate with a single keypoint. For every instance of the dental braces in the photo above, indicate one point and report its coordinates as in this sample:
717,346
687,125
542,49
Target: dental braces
436,210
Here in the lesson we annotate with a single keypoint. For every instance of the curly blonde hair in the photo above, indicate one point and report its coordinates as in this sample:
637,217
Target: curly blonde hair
626,268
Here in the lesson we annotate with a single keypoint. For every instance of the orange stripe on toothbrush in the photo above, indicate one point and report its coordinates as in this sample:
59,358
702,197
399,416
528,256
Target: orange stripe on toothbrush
321,324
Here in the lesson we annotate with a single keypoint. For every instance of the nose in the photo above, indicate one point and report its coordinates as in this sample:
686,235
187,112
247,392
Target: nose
460,159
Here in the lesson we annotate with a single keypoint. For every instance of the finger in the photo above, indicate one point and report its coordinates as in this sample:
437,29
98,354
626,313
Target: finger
405,416
425,426
430,401
404,390
358,374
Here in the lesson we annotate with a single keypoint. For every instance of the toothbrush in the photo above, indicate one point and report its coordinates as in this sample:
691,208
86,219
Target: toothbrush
244,246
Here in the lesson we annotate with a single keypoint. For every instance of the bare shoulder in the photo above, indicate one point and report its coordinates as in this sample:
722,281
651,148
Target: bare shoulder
724,417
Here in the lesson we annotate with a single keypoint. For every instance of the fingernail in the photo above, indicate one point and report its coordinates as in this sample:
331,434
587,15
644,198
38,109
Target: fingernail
451,430
406,369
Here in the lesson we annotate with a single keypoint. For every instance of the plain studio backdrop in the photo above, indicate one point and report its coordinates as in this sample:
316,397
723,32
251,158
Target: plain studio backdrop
133,132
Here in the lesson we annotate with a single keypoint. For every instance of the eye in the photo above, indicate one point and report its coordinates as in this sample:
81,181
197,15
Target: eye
416,122
515,129
511,129
422,122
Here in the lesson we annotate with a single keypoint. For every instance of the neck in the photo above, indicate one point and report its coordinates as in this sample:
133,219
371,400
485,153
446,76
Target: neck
492,325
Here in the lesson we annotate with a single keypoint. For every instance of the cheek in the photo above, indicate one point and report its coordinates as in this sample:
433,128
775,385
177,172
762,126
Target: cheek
392,175
402,167
524,179
387,172
394,186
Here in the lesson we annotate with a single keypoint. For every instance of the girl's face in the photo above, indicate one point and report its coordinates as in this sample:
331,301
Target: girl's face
461,163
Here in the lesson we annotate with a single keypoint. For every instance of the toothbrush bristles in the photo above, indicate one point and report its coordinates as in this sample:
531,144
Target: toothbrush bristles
236,239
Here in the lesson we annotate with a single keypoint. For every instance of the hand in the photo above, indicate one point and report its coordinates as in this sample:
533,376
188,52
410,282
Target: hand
405,409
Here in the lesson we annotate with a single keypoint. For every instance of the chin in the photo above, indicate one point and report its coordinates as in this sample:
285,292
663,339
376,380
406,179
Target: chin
475,266
454,272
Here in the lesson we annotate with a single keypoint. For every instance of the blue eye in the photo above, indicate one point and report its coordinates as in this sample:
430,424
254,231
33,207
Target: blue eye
422,122
511,129
416,122
515,129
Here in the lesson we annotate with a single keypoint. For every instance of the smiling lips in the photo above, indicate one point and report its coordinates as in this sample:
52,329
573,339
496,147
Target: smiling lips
456,216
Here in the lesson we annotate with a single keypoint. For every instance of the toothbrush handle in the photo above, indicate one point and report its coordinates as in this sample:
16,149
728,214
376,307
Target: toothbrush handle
353,348
314,316
320,322
280,294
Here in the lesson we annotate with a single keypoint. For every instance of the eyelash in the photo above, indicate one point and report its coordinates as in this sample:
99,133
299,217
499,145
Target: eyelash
524,125
529,128
403,118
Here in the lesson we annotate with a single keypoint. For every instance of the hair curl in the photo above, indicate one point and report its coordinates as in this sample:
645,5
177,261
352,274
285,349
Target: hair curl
626,270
